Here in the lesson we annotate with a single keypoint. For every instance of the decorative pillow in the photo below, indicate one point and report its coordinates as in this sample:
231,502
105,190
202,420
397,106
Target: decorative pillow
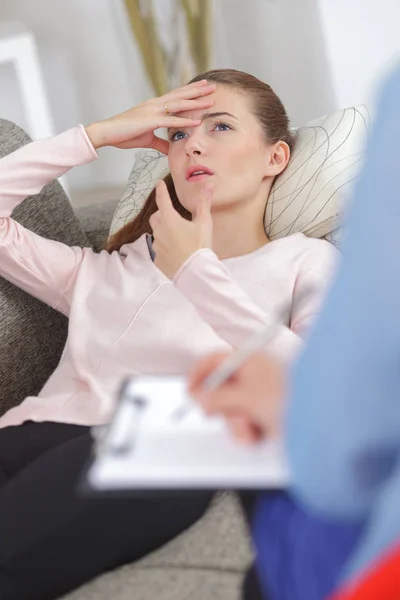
310,194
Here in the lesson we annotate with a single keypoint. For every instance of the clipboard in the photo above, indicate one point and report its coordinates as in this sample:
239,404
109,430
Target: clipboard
159,439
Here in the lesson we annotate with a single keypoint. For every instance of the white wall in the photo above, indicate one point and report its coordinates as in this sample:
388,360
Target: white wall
91,70
362,40
279,41
318,55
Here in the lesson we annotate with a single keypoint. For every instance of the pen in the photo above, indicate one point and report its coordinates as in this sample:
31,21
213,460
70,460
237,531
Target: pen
255,342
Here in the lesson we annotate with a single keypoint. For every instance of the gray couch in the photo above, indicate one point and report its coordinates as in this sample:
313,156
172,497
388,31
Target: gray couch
205,563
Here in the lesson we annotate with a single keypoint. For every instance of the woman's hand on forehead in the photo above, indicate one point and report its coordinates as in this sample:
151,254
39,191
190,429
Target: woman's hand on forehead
134,128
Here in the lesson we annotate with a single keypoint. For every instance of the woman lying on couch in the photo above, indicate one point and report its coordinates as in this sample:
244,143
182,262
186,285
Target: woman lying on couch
206,281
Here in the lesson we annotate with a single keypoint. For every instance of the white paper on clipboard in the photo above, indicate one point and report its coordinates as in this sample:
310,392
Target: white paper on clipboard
165,452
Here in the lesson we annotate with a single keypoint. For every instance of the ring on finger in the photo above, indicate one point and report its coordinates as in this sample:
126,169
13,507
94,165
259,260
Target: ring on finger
166,111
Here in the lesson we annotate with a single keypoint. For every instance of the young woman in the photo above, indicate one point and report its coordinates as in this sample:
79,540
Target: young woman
205,281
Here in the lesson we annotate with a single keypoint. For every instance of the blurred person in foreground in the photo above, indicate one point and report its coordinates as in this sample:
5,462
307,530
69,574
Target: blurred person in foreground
341,417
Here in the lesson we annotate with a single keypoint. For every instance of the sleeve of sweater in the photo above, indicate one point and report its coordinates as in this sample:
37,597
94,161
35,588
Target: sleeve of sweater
44,268
343,419
233,315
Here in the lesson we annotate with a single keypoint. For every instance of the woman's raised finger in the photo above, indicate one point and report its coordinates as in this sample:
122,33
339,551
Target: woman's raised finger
176,106
189,92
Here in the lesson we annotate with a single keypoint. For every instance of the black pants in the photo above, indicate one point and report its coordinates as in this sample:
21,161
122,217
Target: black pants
52,541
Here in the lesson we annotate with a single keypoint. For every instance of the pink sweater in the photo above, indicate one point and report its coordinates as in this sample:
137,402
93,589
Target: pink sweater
125,316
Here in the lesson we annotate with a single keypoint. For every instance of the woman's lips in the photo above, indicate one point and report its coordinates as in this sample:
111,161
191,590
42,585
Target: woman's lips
199,177
195,171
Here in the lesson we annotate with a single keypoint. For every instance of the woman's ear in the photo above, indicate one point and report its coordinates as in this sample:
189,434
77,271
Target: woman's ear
278,158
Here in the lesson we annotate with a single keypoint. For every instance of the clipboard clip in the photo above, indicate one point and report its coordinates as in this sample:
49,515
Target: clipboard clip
119,437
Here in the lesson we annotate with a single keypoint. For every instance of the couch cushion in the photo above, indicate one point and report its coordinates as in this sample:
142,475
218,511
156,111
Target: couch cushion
219,540
32,335
96,220
207,561
135,583
310,194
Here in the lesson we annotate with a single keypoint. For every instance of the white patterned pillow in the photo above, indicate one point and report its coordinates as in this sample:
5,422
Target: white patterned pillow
310,194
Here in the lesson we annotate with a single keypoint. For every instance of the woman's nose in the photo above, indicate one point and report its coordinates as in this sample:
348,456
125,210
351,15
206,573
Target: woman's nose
195,145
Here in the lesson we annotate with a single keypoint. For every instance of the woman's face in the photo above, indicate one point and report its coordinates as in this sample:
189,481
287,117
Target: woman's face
227,153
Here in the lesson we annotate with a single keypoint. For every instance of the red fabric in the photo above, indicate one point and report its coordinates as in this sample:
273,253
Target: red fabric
381,582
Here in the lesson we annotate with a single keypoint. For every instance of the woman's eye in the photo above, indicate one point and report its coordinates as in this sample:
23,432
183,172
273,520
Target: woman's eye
222,127
178,135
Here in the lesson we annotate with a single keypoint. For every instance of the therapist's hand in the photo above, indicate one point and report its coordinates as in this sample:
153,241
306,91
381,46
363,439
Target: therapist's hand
251,400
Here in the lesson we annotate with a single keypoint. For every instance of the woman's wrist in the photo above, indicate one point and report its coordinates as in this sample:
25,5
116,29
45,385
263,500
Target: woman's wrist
94,134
